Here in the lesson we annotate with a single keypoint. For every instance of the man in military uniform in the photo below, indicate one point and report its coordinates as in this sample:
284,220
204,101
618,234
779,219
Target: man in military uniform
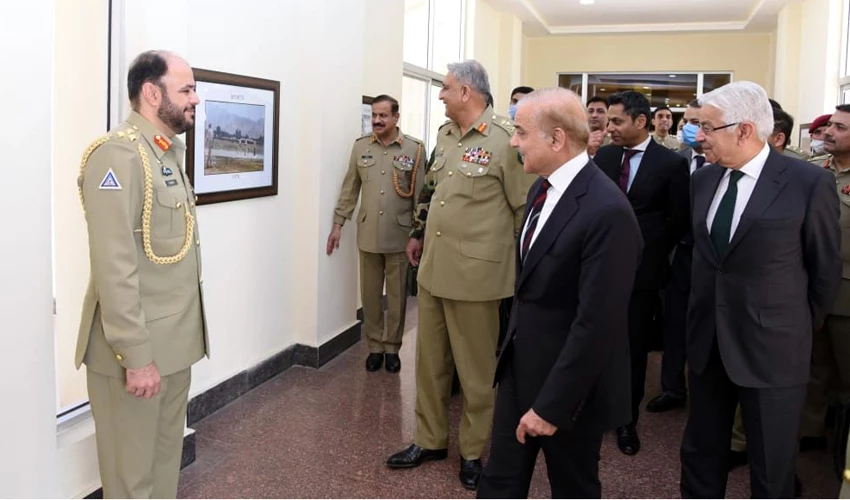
817,131
780,139
831,345
597,119
386,168
473,202
142,323
662,120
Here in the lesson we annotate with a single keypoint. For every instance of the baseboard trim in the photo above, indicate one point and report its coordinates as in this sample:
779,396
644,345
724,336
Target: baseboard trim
212,400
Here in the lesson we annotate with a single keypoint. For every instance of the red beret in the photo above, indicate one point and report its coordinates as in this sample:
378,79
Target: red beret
819,122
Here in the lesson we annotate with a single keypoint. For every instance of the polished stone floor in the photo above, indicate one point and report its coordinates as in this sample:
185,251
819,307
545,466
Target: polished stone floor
325,434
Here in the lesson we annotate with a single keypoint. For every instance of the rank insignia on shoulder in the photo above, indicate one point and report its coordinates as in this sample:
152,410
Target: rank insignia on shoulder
110,181
161,142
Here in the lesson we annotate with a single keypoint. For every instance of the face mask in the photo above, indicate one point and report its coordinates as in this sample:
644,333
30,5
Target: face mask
512,111
679,136
689,135
817,148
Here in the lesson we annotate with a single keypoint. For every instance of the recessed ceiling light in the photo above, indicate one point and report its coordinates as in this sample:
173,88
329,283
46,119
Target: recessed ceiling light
647,88
672,76
603,90
587,2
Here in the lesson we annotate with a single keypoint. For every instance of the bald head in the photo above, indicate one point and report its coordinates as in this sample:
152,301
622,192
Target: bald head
551,129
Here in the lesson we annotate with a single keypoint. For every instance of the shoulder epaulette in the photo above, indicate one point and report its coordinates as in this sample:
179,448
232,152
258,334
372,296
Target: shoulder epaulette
413,139
504,123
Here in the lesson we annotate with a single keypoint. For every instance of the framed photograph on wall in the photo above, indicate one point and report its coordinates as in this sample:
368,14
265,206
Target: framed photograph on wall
231,153
805,141
366,115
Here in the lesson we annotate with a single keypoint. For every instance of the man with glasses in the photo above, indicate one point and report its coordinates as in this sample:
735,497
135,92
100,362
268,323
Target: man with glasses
766,267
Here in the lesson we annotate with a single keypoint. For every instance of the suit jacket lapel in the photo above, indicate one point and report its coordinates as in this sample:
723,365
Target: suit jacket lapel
646,165
702,203
769,185
565,209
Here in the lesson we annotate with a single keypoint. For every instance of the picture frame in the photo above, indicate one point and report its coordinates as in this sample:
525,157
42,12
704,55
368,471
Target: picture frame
804,141
366,115
232,151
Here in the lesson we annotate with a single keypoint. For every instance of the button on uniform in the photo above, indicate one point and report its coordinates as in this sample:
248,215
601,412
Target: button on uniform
119,357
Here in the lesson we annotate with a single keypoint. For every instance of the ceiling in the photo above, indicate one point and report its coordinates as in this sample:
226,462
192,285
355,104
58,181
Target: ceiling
562,17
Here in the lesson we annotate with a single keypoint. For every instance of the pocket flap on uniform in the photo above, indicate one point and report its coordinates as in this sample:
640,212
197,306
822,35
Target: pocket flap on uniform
405,219
361,216
439,163
163,305
366,161
166,199
491,252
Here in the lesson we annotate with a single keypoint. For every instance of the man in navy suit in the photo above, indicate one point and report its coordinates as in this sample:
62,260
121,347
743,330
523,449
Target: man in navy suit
563,375
766,268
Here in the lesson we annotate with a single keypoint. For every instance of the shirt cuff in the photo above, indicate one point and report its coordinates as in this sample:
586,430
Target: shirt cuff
338,219
135,357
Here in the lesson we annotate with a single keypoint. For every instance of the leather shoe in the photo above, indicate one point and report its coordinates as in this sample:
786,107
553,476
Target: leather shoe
413,456
737,459
665,402
808,443
393,363
628,440
470,473
374,361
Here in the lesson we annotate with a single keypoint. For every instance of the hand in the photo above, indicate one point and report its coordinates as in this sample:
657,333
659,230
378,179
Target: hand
333,239
414,251
143,382
534,426
596,138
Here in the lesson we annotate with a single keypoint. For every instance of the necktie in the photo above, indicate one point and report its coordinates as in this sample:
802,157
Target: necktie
721,228
626,169
533,216
700,162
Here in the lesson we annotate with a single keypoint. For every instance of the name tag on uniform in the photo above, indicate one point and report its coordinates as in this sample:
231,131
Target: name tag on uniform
171,182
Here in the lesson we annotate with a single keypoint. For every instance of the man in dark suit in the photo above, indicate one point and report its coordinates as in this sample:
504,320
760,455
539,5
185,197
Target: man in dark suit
766,268
673,389
656,182
563,373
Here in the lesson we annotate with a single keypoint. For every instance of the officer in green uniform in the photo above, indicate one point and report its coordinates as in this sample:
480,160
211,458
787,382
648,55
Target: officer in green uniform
142,323
780,139
831,345
385,170
662,120
473,202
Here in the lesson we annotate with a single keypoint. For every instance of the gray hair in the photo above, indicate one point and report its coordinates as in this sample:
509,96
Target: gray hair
741,102
472,73
558,107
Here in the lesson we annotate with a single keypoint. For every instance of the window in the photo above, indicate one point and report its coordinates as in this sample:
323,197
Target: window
672,90
433,38
844,70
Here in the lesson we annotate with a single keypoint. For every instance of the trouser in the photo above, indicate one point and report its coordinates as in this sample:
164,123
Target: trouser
830,373
642,309
675,321
374,267
139,441
462,334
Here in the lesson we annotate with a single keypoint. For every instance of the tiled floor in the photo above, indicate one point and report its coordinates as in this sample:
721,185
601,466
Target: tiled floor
326,433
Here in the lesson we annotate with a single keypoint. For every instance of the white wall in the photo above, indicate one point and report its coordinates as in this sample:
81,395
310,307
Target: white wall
27,422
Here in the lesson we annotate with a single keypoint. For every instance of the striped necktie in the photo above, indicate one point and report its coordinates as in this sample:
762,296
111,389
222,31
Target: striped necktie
533,217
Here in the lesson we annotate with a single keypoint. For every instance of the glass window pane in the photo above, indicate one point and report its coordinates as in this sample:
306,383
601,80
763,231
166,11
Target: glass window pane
715,81
416,32
571,81
438,116
845,94
447,34
670,90
413,92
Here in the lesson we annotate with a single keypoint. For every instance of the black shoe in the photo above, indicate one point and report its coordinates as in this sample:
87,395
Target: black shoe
393,363
413,456
737,459
470,473
798,487
665,402
809,443
628,440
374,361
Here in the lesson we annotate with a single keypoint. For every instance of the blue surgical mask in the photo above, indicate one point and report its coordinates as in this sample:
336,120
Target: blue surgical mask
689,135
512,111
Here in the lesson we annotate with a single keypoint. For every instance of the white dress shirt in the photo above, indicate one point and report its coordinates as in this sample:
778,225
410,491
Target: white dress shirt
560,181
634,161
746,185
694,156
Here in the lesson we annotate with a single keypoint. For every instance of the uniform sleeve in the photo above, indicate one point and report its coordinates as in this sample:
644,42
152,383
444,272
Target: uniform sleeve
350,191
425,165
516,184
112,216
423,202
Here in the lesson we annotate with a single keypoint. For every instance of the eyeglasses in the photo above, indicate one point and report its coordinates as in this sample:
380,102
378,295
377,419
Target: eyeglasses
707,129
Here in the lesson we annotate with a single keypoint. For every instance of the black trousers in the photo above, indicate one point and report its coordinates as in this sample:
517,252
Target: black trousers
675,322
642,310
772,421
572,456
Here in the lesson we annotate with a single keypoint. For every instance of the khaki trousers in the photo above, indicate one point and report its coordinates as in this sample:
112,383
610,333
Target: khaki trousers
374,267
139,441
455,334
830,373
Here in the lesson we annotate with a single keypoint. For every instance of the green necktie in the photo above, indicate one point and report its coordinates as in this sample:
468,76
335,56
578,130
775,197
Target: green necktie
721,228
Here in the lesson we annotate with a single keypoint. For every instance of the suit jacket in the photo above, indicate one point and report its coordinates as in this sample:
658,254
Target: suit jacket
660,198
777,280
570,356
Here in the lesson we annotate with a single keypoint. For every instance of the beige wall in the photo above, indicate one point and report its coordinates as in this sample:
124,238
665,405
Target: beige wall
748,56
